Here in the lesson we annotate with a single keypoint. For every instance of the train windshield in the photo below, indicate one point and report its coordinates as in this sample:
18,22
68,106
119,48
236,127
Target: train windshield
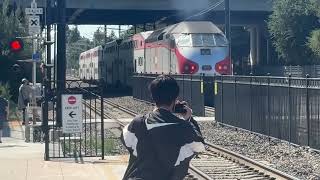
184,40
201,40
205,40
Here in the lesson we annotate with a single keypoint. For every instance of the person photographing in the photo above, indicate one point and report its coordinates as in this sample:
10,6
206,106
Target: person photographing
160,143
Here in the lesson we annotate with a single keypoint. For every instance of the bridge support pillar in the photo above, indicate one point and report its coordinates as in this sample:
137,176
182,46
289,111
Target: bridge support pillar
255,45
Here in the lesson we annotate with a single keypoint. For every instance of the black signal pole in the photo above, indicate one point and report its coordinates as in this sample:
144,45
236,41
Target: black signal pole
228,27
61,56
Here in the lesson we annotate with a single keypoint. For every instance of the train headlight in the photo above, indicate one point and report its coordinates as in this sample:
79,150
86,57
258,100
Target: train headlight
186,67
193,67
225,67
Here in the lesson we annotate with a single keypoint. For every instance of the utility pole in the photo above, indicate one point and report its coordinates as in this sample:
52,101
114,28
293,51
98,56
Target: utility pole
61,56
228,28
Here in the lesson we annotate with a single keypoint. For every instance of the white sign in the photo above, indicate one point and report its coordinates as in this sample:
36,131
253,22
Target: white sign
34,10
71,113
31,11
34,25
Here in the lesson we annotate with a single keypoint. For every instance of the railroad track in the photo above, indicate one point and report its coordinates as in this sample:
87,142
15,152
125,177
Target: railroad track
217,162
107,114
209,111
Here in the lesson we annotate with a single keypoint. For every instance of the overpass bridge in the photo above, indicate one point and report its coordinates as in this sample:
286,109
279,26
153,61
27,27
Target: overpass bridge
150,11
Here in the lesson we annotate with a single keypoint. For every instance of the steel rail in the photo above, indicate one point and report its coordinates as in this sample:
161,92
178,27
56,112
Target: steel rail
197,173
266,170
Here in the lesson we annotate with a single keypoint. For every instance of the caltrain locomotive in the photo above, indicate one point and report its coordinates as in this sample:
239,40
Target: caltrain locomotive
189,47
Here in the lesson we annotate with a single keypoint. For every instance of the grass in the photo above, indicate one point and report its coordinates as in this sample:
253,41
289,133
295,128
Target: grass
92,147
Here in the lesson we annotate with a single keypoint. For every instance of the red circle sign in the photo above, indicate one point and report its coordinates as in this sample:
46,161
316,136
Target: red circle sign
72,100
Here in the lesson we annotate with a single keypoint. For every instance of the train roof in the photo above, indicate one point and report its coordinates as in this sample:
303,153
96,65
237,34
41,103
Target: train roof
186,27
113,43
93,49
193,27
146,34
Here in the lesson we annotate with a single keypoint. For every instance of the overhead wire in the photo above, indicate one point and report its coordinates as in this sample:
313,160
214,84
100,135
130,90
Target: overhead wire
210,8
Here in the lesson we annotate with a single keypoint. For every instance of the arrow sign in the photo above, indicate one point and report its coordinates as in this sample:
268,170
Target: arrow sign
72,119
71,114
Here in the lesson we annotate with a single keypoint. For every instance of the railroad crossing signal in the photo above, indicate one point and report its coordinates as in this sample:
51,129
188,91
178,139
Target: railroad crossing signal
34,25
34,18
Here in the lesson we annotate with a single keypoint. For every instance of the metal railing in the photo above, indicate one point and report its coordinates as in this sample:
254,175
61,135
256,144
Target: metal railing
282,107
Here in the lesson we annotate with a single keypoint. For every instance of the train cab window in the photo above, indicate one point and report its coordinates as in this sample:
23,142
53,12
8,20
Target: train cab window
141,43
197,40
205,40
208,40
160,37
184,40
220,40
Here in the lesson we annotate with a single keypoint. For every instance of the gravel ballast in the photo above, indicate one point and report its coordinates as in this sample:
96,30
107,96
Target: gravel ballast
298,161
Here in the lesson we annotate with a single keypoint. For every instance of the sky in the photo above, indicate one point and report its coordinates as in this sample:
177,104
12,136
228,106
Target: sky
88,30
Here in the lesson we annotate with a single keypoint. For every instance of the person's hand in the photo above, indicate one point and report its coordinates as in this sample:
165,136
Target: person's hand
188,114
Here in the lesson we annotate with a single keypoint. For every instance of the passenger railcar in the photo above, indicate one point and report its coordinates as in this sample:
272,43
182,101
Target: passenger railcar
191,47
90,62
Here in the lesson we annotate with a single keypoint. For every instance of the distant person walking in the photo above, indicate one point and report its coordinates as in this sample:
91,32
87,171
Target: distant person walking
3,113
25,91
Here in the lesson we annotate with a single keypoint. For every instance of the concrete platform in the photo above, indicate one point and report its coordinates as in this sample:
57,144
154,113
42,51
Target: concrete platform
24,161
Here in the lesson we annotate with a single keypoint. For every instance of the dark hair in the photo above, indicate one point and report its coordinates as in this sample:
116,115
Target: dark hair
164,90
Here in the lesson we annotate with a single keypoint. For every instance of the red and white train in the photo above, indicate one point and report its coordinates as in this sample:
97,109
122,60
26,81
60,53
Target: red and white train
190,47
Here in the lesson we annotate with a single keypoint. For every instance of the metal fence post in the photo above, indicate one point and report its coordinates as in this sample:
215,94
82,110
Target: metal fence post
102,121
308,108
140,86
251,96
236,120
221,99
191,84
289,96
268,106
45,121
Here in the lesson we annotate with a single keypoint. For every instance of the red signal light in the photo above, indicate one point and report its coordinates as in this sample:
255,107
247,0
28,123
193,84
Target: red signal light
16,45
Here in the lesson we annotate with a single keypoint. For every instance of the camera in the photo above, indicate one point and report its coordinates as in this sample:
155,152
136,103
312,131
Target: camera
179,108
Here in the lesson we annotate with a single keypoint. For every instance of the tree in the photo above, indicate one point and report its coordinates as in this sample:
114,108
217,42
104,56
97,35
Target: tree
314,40
290,25
98,37
75,49
73,35
12,24
112,36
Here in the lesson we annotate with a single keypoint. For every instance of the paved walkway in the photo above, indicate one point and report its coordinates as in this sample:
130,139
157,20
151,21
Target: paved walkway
24,161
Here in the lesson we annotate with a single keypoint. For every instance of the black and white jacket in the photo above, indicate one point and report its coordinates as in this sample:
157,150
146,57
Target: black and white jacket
161,146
